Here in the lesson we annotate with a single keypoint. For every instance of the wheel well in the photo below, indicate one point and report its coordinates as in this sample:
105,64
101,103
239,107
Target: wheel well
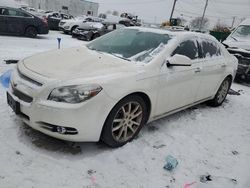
146,99
31,26
230,77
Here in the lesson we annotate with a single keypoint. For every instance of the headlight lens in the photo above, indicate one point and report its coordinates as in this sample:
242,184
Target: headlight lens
74,94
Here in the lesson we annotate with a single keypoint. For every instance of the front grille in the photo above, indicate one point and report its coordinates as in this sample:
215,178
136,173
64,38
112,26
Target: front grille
28,79
236,52
22,96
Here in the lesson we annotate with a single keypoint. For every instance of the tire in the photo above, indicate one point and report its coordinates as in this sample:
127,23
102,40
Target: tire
95,36
221,93
31,32
125,121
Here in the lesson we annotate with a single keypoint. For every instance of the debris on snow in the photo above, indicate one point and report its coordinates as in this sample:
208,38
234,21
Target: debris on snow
188,185
205,178
232,92
159,146
171,163
235,152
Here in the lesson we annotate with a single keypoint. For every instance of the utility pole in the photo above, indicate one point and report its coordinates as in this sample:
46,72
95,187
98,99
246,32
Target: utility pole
233,21
172,11
205,8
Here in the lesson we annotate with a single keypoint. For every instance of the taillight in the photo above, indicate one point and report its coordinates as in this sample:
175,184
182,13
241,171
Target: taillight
45,20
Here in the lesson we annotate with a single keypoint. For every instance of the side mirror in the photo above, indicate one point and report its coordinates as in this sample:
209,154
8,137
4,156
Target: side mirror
179,60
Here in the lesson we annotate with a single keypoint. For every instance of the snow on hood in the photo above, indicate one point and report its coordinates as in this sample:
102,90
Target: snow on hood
75,62
237,44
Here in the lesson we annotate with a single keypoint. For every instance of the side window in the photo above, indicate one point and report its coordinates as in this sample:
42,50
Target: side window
210,49
13,13
188,48
4,11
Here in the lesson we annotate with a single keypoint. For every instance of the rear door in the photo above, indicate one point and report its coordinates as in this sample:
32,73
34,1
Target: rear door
17,21
213,70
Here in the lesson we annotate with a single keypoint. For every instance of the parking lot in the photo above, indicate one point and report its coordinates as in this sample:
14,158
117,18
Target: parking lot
204,140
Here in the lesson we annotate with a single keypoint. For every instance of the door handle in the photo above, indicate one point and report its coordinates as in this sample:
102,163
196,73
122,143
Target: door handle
197,70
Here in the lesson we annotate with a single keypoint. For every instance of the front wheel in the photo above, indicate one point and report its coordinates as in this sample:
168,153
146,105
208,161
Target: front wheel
124,121
221,93
31,32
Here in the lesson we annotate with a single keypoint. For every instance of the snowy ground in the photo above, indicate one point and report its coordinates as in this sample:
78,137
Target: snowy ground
205,141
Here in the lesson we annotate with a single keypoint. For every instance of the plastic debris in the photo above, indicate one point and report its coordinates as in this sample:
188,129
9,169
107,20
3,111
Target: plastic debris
171,163
5,78
188,185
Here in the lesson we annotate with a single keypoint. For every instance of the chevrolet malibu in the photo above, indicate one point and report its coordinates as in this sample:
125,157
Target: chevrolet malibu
108,89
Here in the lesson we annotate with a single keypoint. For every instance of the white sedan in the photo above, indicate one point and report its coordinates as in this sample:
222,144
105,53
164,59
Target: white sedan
114,85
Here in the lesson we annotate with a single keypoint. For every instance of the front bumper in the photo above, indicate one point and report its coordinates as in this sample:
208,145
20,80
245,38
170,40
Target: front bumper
243,71
83,121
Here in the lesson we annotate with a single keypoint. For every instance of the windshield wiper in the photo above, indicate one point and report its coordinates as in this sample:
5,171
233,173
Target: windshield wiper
120,57
234,38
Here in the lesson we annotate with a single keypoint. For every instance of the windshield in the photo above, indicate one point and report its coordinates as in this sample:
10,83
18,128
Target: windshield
131,44
242,31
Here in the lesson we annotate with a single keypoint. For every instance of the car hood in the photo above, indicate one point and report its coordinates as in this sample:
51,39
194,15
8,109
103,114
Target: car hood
243,44
76,63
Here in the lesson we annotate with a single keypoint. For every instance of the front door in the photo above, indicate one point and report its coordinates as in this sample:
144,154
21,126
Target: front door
179,85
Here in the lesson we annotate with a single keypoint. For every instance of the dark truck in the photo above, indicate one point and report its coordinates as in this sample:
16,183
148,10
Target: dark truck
238,44
16,21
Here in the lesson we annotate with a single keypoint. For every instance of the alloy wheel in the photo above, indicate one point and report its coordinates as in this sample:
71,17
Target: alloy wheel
127,121
222,93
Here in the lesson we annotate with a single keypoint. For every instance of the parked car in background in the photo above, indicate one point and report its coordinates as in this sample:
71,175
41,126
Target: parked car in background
54,19
86,22
96,31
19,22
238,44
117,83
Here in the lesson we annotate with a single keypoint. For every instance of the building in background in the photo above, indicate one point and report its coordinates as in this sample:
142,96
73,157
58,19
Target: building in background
73,7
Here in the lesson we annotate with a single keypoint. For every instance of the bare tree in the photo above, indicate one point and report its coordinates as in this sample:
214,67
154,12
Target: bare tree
115,13
196,22
221,27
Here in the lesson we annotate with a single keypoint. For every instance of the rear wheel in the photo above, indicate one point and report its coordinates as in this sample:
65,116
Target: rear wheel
124,121
221,93
31,32
73,28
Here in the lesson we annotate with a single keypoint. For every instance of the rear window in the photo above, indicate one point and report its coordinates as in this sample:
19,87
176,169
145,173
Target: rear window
210,49
188,48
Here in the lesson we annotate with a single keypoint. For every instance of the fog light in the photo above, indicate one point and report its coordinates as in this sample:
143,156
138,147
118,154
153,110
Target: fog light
61,130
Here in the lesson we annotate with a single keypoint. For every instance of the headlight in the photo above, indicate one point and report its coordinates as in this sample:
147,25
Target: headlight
74,94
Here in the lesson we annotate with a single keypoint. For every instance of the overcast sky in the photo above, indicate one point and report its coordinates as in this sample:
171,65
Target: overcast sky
159,10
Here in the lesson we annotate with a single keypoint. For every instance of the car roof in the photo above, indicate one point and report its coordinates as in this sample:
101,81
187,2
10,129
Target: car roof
179,34
245,22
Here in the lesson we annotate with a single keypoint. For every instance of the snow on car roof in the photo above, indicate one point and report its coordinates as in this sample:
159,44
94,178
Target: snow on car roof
180,34
245,22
